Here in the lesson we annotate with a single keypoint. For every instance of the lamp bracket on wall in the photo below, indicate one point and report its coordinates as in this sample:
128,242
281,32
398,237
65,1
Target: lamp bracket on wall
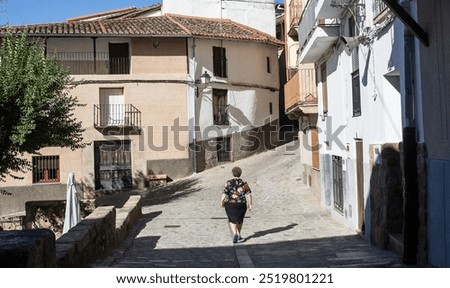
202,83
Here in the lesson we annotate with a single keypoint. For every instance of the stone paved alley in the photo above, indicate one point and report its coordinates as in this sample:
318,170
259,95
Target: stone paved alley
183,224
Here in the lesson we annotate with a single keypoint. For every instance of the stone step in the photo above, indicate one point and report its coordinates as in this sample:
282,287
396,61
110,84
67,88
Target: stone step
396,243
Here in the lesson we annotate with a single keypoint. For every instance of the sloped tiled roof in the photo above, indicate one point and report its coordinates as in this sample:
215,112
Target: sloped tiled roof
123,13
168,25
221,28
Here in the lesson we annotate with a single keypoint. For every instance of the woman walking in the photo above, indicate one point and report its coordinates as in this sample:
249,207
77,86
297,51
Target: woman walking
236,197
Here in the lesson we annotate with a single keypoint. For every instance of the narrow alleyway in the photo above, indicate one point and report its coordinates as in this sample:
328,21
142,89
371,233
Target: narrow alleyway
184,226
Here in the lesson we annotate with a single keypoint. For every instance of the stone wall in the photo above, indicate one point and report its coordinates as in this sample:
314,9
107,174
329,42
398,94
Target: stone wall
89,240
93,238
13,199
27,249
173,168
386,194
45,215
243,144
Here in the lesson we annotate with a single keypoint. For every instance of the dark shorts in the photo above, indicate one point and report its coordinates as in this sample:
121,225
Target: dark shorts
236,212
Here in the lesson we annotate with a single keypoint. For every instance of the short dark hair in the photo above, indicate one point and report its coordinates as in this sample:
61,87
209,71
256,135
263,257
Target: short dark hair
236,171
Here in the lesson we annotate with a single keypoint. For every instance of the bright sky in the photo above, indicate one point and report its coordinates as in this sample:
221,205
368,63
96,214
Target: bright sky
44,11
18,12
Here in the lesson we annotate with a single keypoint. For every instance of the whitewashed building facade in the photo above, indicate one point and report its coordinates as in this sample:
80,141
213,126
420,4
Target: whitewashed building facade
356,48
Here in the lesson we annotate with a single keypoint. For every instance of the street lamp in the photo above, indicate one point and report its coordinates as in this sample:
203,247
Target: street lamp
202,83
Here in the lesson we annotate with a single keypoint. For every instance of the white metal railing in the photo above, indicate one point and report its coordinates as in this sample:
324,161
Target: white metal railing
378,7
307,22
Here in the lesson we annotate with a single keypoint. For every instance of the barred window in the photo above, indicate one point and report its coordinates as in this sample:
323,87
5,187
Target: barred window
45,169
220,107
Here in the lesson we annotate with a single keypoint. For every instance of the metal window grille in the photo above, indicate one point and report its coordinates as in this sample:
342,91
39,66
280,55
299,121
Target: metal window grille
378,7
45,169
220,105
356,94
338,187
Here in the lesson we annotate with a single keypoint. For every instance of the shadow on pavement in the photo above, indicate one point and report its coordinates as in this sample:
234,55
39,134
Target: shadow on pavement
144,255
270,231
172,191
339,252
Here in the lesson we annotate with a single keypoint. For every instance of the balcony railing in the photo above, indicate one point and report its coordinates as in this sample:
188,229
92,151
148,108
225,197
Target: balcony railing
117,115
319,12
295,11
378,7
85,63
300,90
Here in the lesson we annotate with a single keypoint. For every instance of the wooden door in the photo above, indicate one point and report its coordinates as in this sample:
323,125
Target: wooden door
119,58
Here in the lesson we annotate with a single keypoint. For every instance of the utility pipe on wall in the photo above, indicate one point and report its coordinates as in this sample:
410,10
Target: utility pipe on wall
411,198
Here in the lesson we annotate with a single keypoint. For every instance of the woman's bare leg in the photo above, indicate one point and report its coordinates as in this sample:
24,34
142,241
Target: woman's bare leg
238,228
233,228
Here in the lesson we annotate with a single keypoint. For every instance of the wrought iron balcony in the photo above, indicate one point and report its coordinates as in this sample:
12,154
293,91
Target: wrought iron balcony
378,8
117,116
85,63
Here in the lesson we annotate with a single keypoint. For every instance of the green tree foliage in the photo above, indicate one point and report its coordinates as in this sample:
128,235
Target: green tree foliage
36,109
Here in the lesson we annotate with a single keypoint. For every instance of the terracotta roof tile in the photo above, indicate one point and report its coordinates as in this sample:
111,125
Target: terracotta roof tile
168,25
223,28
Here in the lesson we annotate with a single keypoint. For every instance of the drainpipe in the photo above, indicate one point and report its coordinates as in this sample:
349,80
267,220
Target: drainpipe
194,107
411,205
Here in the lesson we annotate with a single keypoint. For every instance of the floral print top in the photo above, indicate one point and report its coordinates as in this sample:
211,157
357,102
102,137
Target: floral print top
236,189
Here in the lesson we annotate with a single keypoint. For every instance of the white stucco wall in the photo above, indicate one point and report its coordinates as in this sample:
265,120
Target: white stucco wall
380,121
259,14
250,87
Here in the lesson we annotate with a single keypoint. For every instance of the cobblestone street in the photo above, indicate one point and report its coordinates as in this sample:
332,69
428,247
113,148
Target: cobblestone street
183,224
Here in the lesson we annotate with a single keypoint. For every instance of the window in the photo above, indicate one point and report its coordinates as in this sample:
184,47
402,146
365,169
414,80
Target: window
338,187
356,94
112,108
220,62
356,89
119,58
268,65
45,169
223,149
270,108
220,106
323,74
